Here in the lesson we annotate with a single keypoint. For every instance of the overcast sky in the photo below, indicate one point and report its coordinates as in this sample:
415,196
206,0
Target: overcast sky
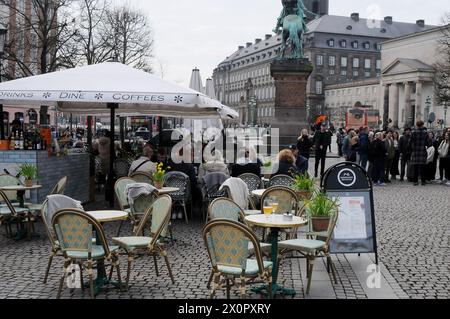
202,33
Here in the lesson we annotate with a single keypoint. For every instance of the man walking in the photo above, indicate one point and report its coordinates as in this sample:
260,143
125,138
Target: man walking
419,152
321,142
405,152
340,135
390,154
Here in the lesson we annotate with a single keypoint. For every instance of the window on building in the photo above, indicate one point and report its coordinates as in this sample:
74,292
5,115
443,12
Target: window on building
344,72
319,87
332,60
367,74
355,45
366,45
358,91
330,43
344,61
378,47
378,64
319,60
356,62
355,73
332,72
367,63
344,43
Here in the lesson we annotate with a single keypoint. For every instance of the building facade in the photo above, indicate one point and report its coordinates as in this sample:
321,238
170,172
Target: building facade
21,45
342,49
340,98
407,78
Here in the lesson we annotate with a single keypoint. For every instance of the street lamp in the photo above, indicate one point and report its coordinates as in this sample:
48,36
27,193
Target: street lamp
427,109
3,33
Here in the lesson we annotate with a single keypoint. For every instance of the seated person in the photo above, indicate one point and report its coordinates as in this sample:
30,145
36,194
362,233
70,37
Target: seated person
301,162
183,167
144,163
286,164
247,163
214,164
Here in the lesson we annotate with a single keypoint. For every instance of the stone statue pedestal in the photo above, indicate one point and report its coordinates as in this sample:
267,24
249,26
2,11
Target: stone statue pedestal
291,78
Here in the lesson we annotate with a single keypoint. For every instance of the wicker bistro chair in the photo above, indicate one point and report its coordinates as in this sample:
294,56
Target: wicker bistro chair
142,177
56,249
282,180
58,189
119,190
10,214
227,243
212,193
224,208
74,231
183,196
159,215
287,203
253,182
312,247
9,180
121,167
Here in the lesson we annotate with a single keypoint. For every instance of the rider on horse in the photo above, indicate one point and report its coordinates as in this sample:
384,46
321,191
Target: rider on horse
292,20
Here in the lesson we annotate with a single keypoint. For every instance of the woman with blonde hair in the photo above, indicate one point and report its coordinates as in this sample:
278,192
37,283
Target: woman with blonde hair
286,163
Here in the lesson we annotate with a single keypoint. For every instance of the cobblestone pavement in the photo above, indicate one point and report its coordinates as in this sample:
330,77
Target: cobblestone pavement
23,264
413,235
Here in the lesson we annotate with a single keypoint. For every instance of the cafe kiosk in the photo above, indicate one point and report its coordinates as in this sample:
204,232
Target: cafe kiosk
355,231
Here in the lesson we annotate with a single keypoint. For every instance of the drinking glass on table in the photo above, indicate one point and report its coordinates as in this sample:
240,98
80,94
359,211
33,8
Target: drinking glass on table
267,208
275,205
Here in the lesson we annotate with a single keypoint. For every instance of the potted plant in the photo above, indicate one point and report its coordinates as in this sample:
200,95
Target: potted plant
321,208
158,176
29,172
305,186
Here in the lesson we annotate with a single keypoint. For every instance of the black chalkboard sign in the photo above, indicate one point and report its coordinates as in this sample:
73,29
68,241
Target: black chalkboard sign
355,230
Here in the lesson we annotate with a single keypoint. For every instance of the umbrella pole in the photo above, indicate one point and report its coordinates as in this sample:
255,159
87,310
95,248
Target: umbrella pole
112,155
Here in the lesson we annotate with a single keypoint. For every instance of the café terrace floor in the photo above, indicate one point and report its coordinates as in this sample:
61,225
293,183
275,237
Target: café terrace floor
24,262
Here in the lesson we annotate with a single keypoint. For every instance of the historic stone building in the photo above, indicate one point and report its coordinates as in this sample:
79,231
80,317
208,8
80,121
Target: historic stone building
339,98
342,49
407,78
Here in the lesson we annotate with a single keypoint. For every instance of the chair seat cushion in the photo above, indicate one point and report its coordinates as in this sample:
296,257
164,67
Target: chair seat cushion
6,212
97,252
252,212
251,269
307,245
34,207
131,243
264,247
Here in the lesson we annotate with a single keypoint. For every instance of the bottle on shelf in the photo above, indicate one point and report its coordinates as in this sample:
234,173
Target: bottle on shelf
21,141
12,144
16,142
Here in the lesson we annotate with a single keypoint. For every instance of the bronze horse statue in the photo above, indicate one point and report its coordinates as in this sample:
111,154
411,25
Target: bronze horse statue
292,22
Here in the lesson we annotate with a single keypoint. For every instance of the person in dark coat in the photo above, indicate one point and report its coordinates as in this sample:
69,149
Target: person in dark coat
321,142
419,153
304,144
363,149
390,155
286,164
246,164
394,168
405,152
377,151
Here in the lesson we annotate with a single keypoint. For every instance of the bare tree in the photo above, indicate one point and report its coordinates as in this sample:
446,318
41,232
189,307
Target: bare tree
40,36
442,75
91,41
128,33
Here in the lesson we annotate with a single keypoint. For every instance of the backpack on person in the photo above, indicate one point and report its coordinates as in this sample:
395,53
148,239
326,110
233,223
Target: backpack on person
443,149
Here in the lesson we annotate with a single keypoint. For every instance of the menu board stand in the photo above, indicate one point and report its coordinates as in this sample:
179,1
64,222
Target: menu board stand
355,231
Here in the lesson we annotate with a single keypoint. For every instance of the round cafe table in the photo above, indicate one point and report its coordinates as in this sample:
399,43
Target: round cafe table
21,189
258,193
275,223
167,190
105,216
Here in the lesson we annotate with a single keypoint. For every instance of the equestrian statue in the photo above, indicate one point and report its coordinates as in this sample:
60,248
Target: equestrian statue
292,22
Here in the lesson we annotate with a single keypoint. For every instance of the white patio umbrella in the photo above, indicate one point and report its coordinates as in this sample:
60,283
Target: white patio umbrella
88,89
108,89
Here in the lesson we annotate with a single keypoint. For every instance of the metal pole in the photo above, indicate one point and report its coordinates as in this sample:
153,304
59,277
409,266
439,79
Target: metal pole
91,160
112,155
2,126
122,130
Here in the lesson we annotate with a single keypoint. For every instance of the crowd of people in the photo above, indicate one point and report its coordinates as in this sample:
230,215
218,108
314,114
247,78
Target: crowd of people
418,155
